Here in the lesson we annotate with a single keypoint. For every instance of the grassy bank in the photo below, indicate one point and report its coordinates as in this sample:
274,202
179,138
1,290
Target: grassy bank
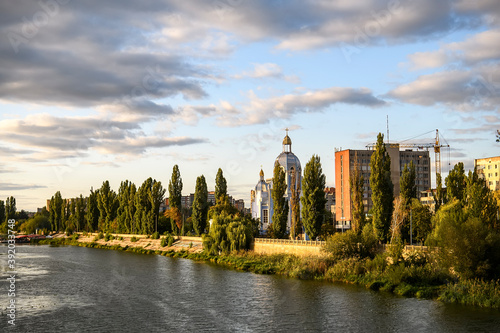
413,277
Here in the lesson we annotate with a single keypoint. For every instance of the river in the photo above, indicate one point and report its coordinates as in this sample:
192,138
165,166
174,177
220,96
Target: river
76,289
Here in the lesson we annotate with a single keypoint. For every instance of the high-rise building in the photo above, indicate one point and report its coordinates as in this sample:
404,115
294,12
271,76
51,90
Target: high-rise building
488,169
344,165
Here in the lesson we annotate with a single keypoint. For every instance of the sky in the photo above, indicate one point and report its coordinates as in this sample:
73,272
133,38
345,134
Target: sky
124,90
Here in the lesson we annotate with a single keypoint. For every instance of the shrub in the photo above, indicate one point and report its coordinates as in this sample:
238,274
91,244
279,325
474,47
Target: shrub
156,235
108,237
163,242
170,240
133,239
69,232
100,235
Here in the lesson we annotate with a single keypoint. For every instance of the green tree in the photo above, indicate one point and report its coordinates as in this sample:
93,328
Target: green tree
175,189
356,182
440,196
408,188
92,216
2,211
456,182
10,208
107,201
80,207
200,206
382,189
480,201
220,187
56,211
313,197
421,221
280,203
228,233
468,247
156,196
126,208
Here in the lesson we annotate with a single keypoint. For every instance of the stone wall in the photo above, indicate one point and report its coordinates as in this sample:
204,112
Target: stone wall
300,247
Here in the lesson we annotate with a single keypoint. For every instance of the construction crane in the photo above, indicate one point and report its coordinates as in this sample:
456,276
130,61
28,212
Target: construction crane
436,145
437,149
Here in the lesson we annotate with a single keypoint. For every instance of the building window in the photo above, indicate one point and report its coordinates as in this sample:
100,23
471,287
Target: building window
265,216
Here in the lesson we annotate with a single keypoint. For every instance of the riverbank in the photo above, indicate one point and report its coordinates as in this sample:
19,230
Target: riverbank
413,277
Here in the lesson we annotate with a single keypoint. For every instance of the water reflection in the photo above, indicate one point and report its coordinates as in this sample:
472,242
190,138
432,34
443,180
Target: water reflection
74,289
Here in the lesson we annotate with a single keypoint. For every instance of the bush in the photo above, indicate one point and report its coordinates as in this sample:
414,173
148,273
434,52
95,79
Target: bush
100,235
163,242
133,239
69,232
109,237
170,240
156,235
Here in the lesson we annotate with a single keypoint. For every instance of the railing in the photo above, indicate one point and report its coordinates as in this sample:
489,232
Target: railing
289,241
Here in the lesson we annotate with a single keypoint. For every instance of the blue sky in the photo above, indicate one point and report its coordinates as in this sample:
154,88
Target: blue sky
124,90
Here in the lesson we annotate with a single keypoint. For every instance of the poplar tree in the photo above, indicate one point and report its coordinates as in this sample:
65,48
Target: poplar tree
107,202
313,197
56,211
220,187
92,216
382,189
2,211
10,208
200,206
356,181
408,188
440,196
456,182
175,189
126,209
280,204
175,199
156,194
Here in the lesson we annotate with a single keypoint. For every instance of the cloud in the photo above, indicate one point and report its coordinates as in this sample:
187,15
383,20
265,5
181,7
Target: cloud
259,111
19,187
267,70
472,51
69,137
474,89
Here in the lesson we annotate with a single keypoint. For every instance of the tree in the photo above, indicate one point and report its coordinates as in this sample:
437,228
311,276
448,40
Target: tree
107,201
440,197
313,197
382,189
479,200
456,182
92,216
356,181
126,208
200,206
280,203
10,208
228,233
295,205
220,186
175,188
468,247
156,195
80,207
399,215
408,188
420,220
56,211
2,211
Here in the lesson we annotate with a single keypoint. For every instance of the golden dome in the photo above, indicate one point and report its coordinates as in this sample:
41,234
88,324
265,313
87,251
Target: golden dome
287,140
261,173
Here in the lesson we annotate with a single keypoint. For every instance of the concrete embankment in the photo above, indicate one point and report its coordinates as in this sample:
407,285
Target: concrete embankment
181,243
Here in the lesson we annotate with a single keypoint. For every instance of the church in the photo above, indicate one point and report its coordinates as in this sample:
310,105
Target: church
261,199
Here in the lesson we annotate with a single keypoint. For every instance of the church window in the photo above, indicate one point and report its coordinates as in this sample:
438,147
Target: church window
265,216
